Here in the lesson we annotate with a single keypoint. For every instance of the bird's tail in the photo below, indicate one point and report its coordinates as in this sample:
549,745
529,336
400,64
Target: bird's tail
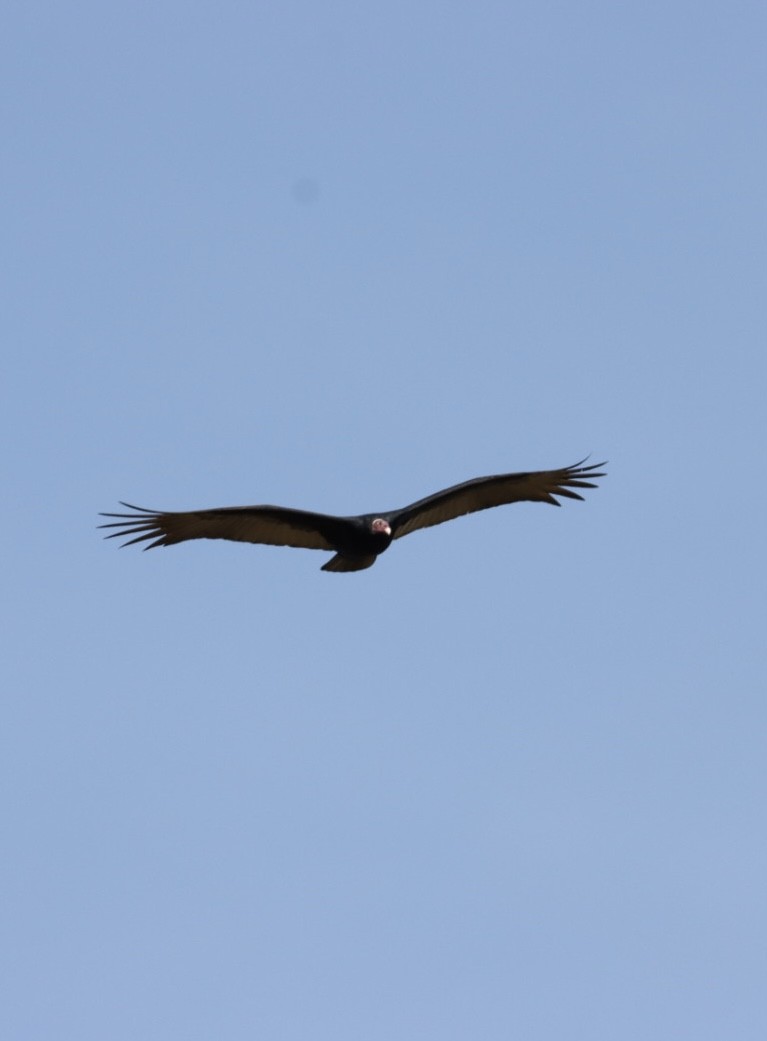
343,563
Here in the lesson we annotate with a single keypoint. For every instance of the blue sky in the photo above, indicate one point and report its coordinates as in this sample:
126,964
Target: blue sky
510,782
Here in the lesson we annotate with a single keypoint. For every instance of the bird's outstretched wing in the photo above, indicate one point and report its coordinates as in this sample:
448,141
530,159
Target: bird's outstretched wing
482,493
271,525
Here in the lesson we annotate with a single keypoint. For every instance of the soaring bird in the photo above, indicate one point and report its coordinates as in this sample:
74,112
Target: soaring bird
356,541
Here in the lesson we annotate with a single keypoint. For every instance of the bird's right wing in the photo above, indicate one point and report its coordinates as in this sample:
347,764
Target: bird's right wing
270,525
483,493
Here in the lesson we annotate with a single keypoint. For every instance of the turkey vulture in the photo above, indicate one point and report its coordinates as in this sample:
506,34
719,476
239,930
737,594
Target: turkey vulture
356,541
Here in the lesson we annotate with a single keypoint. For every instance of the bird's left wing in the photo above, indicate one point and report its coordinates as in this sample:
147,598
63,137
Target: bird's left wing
482,493
271,525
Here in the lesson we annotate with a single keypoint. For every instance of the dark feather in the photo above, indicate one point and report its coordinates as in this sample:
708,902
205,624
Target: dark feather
345,562
483,493
270,525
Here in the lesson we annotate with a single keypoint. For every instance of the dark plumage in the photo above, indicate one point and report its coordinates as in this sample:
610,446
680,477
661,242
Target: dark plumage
356,541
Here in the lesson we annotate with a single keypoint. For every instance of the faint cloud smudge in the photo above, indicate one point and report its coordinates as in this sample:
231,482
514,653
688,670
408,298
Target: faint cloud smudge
306,190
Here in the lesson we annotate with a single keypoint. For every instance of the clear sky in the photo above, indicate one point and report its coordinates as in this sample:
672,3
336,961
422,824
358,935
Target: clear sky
510,782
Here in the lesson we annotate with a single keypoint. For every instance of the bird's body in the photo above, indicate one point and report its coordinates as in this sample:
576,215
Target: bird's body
356,541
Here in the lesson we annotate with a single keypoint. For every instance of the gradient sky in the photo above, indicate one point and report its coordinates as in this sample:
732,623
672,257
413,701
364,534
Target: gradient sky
511,781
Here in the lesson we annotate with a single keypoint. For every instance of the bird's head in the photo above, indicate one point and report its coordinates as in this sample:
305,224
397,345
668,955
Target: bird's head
380,527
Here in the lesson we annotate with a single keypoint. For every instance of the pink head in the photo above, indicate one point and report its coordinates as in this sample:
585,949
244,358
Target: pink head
380,527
